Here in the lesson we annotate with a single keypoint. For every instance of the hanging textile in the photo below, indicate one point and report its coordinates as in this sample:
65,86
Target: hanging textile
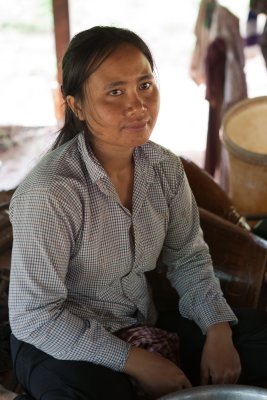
201,31
263,43
222,69
258,6
253,37
225,25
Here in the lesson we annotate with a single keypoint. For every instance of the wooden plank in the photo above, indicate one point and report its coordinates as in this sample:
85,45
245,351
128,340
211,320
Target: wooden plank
62,38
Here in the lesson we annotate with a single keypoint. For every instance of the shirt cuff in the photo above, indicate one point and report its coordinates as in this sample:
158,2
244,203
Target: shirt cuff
213,313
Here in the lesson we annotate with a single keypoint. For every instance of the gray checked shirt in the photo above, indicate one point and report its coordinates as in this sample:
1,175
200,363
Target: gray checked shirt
79,257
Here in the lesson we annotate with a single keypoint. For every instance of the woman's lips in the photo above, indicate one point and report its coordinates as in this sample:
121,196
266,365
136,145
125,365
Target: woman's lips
135,126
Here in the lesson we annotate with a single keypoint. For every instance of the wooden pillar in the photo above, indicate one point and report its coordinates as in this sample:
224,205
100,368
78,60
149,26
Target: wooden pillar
62,38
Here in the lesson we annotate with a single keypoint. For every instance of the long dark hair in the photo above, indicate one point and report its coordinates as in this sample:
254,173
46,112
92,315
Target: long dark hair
85,53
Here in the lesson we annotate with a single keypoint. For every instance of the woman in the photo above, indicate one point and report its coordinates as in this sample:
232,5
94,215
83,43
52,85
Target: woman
97,213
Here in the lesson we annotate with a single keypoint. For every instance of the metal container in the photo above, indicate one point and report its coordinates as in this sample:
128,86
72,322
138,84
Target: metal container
219,392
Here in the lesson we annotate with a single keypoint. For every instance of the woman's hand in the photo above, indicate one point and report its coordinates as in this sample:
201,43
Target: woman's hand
220,361
155,374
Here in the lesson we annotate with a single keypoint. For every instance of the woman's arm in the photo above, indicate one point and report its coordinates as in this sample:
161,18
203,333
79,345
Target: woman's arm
155,374
189,265
190,270
220,361
45,229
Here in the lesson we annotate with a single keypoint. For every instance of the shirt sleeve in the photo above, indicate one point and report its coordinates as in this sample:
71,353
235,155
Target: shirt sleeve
189,265
45,229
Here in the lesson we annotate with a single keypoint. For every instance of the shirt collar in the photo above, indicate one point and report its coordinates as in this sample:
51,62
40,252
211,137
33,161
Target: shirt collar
93,166
150,153
146,155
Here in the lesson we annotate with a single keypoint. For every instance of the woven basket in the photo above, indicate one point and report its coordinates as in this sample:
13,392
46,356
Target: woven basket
244,135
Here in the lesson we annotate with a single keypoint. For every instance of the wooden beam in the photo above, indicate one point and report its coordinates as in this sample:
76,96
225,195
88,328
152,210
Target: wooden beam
62,31
62,38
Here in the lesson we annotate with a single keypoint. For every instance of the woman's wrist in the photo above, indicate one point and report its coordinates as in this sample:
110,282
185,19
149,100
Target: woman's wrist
220,328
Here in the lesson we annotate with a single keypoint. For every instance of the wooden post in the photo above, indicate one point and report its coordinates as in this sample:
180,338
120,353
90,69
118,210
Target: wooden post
62,38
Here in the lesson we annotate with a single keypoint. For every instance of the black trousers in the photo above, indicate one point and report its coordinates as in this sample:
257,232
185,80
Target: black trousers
46,378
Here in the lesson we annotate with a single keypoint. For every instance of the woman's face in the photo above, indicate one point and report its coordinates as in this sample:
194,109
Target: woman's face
122,100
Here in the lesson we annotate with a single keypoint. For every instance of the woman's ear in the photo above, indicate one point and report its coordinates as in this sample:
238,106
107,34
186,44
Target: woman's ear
76,109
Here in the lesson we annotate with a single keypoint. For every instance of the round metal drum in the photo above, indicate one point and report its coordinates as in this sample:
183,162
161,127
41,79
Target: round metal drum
219,392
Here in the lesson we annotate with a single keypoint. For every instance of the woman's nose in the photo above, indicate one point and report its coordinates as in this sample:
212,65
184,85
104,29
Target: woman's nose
134,105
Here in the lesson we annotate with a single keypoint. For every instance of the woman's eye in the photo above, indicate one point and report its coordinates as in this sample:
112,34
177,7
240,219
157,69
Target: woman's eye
115,92
145,85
